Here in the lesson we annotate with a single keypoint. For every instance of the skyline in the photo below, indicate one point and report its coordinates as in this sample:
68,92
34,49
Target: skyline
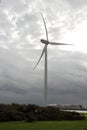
21,29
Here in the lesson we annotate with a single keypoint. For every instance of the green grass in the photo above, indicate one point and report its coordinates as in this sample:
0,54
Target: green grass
44,125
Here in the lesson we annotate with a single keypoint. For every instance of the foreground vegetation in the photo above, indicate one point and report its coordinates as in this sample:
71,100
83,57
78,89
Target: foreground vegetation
33,117
31,113
45,125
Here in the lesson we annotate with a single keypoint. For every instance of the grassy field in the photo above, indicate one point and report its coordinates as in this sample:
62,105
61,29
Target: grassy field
45,125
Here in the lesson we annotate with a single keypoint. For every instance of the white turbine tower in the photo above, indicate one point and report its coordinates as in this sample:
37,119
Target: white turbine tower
44,51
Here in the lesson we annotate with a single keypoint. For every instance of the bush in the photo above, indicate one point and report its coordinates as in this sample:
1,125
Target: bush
30,117
11,116
30,113
52,113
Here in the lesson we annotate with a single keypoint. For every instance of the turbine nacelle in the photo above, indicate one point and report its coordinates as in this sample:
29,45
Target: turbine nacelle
45,41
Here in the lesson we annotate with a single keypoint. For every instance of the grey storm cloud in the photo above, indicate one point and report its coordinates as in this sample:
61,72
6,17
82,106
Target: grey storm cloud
21,29
77,3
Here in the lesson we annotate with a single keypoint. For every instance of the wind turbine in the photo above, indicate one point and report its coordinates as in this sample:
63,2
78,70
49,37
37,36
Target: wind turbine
44,51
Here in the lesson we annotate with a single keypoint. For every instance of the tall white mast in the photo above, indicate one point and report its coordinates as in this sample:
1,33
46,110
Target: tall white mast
45,79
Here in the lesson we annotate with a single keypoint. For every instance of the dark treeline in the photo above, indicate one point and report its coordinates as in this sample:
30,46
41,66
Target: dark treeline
17,112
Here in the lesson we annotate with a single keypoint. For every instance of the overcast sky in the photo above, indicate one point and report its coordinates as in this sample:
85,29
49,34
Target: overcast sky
21,28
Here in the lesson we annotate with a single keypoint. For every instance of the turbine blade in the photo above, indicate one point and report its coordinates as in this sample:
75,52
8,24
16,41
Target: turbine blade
44,26
43,51
55,43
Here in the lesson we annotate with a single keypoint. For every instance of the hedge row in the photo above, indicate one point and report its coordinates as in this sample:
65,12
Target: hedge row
16,112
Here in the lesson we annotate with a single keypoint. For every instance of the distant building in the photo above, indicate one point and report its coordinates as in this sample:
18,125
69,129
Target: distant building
72,107
68,107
